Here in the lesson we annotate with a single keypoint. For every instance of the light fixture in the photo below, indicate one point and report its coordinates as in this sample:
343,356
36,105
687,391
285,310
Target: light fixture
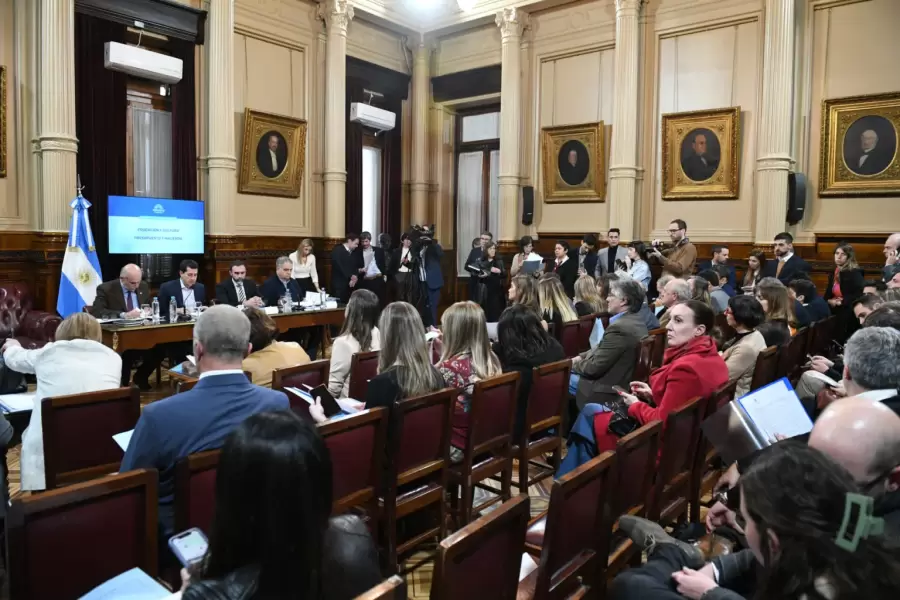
466,5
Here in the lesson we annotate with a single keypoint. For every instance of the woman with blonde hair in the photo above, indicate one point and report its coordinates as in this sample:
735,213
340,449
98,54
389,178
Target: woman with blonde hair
523,289
587,297
404,366
77,362
466,358
305,267
556,307
700,290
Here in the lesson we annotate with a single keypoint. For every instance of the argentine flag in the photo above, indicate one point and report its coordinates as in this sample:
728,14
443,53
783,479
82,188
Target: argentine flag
80,269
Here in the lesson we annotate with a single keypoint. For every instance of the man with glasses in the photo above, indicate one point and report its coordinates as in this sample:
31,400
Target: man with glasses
786,265
678,260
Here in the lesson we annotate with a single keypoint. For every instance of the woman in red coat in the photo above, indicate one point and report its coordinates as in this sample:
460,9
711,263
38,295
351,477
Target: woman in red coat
691,367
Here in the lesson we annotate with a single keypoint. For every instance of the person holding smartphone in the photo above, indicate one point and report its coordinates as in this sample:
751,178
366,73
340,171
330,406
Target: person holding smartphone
891,256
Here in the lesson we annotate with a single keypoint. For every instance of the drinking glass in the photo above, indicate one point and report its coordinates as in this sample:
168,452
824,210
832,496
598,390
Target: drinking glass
146,311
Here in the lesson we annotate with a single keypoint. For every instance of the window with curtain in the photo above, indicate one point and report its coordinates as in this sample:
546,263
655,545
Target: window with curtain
371,190
477,170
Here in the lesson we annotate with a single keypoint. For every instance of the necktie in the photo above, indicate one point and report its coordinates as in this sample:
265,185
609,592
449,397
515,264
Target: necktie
129,302
240,292
779,267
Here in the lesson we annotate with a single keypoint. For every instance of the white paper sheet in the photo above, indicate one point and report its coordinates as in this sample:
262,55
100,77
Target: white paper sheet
17,402
349,405
134,585
372,270
492,331
431,335
123,439
527,566
776,409
191,358
823,378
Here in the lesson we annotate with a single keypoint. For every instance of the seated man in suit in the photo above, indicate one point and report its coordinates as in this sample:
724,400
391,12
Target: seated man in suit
122,298
279,284
186,291
804,293
237,290
200,419
787,264
612,362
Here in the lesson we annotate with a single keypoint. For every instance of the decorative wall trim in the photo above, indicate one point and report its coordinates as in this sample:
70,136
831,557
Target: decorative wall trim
165,17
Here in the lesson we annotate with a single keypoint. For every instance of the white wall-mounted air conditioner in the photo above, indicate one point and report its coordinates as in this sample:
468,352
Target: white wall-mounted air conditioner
142,63
370,116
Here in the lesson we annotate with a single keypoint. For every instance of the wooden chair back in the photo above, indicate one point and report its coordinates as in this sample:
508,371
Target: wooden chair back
356,444
393,588
363,367
65,542
793,355
195,490
569,338
704,474
676,463
643,359
482,559
637,454
78,430
821,336
766,368
579,522
185,386
491,414
312,374
659,347
585,328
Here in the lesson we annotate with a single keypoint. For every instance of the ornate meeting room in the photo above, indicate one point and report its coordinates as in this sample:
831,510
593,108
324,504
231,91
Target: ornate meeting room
449,299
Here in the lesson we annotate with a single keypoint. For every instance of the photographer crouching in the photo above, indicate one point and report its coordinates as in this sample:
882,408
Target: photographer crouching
423,289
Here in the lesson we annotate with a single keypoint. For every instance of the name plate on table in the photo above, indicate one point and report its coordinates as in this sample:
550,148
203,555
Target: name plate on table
271,310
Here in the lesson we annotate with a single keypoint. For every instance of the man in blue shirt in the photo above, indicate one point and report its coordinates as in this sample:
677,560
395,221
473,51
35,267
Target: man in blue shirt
200,419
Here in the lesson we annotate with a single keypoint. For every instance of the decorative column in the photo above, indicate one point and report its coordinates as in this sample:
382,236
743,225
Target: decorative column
623,169
421,96
512,23
221,163
57,142
774,161
337,15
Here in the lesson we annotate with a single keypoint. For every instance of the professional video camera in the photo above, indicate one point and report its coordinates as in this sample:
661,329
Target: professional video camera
422,235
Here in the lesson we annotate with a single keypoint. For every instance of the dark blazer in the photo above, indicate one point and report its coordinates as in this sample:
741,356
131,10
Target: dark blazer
590,260
264,160
193,421
611,362
732,274
226,292
395,263
817,309
172,289
793,267
852,283
879,160
359,260
110,300
384,388
474,256
568,274
802,315
343,267
273,289
434,278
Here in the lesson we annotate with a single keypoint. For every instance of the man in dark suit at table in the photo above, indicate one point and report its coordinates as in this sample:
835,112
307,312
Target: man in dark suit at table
122,298
344,272
279,284
237,290
787,264
200,419
186,290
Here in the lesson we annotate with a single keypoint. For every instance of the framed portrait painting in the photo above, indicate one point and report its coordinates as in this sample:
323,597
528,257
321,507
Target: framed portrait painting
273,154
859,155
700,156
574,163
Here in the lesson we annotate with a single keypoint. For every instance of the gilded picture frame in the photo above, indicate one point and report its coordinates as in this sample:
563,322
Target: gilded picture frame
860,137
273,154
2,121
574,163
701,154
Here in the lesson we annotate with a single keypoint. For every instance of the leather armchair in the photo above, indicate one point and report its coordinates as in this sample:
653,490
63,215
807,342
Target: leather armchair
19,320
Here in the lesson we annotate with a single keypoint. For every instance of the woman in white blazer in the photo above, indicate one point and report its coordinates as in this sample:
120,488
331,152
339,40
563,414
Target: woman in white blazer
77,362
305,267
359,334
744,314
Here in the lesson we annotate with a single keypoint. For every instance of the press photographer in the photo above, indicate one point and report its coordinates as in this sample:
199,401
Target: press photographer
677,260
424,290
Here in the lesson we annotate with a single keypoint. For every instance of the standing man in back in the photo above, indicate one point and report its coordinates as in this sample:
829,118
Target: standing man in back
786,265
344,272
607,257
678,260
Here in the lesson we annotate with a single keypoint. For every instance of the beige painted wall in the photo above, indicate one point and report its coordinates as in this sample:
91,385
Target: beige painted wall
838,36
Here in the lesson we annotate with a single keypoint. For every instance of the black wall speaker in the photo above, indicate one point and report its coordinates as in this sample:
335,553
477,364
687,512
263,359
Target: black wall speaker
527,205
796,197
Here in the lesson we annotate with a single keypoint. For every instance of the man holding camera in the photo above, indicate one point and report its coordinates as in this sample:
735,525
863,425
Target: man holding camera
429,253
677,260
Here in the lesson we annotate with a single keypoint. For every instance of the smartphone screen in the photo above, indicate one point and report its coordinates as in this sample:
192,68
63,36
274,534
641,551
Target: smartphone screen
330,405
189,546
619,390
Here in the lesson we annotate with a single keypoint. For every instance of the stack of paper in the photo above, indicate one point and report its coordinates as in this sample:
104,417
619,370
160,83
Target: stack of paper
10,403
134,585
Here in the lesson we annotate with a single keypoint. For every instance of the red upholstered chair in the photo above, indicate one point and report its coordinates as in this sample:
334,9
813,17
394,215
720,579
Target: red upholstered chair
643,359
18,318
706,473
393,588
488,451
78,432
547,407
636,455
672,491
766,368
569,338
363,367
356,444
419,455
195,490
575,538
659,347
585,327
311,374
63,543
793,355
482,559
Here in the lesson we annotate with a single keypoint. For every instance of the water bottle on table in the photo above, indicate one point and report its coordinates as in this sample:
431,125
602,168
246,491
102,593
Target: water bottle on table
173,310
155,310
288,302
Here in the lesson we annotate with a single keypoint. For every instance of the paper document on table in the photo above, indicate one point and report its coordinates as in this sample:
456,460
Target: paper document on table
133,584
776,409
123,439
11,403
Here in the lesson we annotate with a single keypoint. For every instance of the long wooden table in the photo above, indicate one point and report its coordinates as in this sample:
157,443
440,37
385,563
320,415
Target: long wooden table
143,337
